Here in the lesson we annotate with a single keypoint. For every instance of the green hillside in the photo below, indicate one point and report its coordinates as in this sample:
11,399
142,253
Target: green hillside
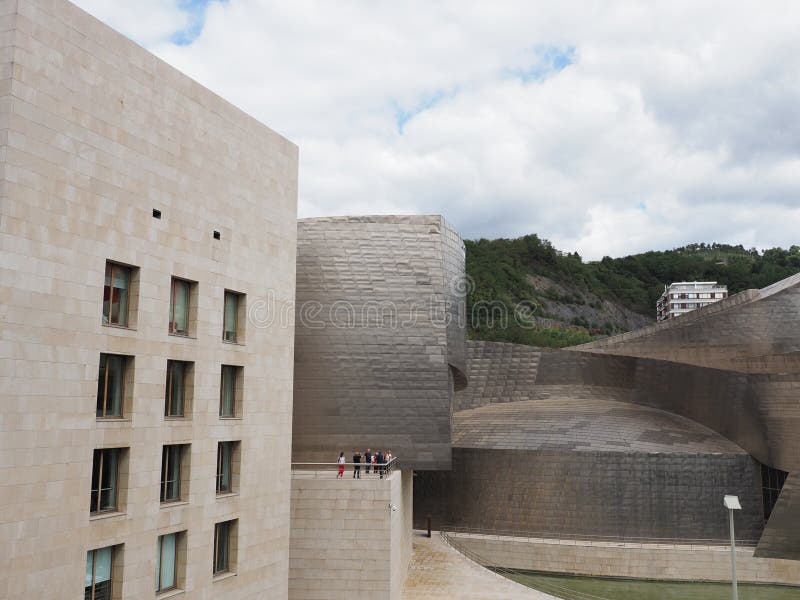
573,301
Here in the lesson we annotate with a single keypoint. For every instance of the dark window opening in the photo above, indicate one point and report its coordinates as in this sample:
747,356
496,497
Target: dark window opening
224,537
772,481
232,320
111,386
171,473
105,476
115,294
176,390
225,460
228,393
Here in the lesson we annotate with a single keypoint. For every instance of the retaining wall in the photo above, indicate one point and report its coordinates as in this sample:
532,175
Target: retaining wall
618,559
346,542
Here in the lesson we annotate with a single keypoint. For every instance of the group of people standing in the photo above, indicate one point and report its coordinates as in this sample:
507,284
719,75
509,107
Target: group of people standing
377,460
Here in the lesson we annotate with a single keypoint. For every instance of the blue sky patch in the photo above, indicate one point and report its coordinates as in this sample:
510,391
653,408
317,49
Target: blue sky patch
196,10
403,115
548,60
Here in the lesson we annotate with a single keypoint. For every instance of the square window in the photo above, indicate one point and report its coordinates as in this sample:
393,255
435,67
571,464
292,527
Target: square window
103,573
114,383
233,317
109,467
228,467
183,307
225,542
120,287
174,472
170,561
230,391
179,388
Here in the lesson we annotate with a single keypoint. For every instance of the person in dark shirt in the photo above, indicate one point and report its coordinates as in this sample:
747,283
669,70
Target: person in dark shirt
367,460
357,465
379,467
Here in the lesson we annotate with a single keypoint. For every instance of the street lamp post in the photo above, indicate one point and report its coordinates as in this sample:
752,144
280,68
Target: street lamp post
732,504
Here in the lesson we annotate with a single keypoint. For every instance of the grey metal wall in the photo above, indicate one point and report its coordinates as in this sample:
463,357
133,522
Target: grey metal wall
379,338
757,331
518,365
592,493
781,538
758,411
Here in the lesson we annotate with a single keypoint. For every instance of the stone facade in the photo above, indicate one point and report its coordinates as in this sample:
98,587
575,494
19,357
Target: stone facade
379,337
350,538
696,562
96,133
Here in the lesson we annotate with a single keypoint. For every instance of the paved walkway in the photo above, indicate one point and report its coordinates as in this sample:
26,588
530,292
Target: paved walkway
437,571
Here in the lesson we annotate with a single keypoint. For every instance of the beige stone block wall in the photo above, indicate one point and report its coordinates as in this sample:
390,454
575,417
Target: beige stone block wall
346,541
618,559
95,133
402,530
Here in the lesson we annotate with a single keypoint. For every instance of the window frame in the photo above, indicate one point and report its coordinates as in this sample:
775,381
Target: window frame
93,584
95,507
109,272
234,372
159,551
168,461
168,400
227,526
173,284
221,464
225,321
105,370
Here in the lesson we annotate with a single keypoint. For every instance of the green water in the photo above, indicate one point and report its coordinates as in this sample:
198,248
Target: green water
589,588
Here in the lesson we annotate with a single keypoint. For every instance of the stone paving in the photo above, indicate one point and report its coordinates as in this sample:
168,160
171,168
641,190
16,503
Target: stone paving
438,571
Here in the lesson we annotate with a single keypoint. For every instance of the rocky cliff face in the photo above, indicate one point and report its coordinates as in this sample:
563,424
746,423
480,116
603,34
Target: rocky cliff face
566,305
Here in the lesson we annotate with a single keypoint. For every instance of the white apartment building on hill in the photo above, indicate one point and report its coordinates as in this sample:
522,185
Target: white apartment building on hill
685,296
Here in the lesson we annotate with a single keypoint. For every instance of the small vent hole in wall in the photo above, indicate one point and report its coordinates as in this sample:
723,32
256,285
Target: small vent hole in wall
156,213
216,235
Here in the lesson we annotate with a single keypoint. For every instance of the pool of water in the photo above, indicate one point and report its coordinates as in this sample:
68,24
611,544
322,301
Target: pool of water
591,588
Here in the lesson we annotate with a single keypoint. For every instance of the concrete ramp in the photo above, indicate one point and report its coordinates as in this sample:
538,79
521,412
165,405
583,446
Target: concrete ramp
437,571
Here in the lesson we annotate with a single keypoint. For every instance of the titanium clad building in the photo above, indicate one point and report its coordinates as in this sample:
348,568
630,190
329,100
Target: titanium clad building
380,337
635,436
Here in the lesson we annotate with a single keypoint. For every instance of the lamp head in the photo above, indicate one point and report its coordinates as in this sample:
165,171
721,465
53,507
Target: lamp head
732,503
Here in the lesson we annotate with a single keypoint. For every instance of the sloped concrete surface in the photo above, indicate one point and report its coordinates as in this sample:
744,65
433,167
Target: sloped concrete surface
438,571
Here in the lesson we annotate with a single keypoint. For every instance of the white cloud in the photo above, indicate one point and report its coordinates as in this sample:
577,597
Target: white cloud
146,21
677,122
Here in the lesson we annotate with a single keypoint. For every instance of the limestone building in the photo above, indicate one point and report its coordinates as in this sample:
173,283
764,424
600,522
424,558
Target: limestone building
146,412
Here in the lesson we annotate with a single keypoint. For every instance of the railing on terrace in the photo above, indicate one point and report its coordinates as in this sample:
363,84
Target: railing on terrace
325,470
558,535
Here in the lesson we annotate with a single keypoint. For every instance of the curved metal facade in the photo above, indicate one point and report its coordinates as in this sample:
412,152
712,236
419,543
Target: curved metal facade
756,333
639,435
543,410
379,337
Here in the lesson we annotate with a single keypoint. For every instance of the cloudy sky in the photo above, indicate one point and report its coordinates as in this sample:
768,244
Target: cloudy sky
607,127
